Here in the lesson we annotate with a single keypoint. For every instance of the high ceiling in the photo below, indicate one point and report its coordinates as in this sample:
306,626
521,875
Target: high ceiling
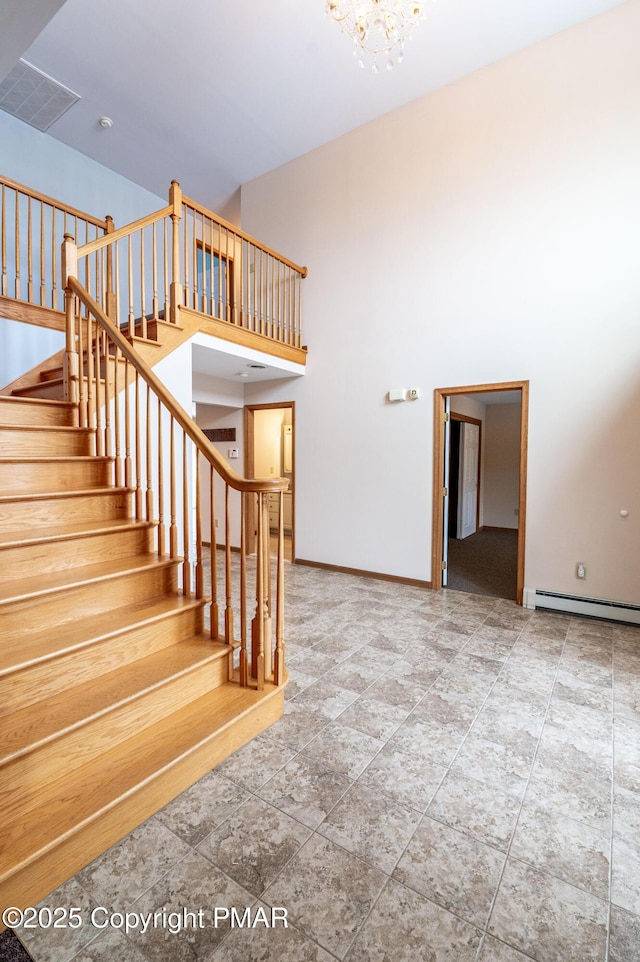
214,93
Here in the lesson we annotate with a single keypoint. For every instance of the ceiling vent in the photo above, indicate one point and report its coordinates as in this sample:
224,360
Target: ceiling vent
29,95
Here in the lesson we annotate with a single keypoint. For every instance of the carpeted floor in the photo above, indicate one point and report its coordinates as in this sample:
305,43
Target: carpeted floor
484,563
11,949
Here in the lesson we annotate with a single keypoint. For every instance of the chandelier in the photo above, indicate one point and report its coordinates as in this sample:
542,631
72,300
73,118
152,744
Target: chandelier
378,28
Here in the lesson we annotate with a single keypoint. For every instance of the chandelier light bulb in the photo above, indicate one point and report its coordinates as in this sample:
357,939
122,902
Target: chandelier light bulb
376,27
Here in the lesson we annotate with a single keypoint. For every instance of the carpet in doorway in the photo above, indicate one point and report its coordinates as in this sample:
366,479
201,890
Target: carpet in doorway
11,948
485,563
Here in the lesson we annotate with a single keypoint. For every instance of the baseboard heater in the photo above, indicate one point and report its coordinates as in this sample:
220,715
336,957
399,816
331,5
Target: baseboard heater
574,605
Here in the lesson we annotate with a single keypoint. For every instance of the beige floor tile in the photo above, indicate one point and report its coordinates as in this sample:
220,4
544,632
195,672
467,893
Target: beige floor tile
458,872
404,926
306,788
572,851
371,825
327,892
254,844
547,919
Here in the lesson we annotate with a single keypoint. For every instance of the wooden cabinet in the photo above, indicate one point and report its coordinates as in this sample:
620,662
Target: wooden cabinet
288,511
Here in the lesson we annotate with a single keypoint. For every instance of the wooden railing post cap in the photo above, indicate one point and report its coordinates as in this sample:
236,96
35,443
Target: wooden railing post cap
175,199
69,262
109,222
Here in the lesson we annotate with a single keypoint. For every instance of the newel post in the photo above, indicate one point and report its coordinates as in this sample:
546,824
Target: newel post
175,289
111,307
261,624
71,365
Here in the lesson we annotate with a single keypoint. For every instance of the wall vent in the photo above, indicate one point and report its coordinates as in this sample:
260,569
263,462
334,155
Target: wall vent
590,607
30,95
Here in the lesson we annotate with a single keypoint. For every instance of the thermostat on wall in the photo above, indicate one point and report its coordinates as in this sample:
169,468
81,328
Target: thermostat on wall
397,394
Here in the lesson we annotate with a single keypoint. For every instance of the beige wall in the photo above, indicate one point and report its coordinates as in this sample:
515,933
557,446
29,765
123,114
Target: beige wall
501,465
485,233
267,432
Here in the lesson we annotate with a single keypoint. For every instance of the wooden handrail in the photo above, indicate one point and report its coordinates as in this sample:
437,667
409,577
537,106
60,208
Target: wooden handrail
121,401
187,202
188,425
125,231
45,199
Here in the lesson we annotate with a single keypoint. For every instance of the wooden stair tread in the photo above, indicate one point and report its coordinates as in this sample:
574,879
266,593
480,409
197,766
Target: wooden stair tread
29,727
60,429
64,639
66,532
56,459
80,796
24,391
59,495
63,405
59,580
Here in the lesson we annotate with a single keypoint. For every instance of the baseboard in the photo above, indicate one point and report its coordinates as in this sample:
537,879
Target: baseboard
493,527
375,575
534,598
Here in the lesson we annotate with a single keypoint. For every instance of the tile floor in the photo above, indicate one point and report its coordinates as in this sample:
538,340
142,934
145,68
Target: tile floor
455,779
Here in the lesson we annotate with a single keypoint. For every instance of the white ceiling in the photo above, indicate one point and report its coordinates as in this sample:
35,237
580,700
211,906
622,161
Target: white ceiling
214,93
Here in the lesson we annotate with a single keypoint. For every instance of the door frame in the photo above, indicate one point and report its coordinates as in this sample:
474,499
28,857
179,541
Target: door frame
249,467
438,473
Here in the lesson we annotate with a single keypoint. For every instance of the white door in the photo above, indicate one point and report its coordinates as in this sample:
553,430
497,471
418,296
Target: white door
468,486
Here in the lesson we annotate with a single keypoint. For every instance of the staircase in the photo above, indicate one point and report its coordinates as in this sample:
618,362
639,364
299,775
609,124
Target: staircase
113,698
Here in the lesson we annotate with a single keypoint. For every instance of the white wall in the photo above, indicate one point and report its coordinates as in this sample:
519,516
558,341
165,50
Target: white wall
38,161
221,417
485,233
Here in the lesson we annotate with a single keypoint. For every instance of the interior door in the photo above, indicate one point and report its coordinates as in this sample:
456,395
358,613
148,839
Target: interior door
445,525
468,489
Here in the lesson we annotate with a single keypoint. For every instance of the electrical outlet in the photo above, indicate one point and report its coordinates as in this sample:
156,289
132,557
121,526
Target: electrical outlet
581,569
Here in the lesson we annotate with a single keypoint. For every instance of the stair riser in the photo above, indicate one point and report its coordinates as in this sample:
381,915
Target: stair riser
56,760
55,373
43,477
43,873
19,411
53,390
37,514
45,442
60,607
43,680
20,562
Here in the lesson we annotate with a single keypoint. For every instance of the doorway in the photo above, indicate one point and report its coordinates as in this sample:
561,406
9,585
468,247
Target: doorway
269,433
465,452
468,521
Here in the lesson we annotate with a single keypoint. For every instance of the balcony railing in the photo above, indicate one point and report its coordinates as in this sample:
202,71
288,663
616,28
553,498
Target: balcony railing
180,258
32,228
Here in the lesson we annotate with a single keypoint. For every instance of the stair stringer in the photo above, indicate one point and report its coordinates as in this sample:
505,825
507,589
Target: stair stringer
170,338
